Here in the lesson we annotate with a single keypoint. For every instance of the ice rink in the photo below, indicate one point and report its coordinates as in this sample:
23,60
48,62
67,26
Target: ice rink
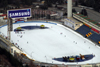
55,41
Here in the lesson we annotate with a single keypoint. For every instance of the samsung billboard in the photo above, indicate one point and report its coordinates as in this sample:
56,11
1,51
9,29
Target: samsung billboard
19,13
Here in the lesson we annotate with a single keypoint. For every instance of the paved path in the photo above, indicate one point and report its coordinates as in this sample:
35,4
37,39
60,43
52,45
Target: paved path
91,14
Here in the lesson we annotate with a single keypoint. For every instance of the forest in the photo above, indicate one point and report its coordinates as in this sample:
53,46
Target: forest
90,3
95,4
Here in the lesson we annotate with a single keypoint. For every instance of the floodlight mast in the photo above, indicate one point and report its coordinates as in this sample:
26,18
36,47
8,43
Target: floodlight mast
69,8
8,32
9,23
11,14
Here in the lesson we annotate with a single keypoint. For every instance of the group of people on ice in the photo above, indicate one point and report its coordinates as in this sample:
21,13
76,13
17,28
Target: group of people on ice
74,58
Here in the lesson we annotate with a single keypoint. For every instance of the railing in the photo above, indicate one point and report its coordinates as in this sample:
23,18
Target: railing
6,41
85,21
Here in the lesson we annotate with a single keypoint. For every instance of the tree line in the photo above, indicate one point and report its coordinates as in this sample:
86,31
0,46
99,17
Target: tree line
4,3
14,62
95,4
90,3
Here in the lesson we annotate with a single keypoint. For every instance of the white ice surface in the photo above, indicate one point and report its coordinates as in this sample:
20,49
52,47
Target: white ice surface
45,44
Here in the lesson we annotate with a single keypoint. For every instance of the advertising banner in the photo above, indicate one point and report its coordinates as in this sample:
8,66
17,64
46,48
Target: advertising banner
69,24
19,13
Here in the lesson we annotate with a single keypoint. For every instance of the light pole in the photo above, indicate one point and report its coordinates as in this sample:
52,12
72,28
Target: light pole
31,54
37,11
46,58
69,8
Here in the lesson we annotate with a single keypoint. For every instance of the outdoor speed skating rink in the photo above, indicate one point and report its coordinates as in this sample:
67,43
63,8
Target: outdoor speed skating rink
52,43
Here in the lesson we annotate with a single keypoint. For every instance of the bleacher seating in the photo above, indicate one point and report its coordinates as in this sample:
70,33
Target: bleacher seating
98,42
95,37
88,34
86,31
83,30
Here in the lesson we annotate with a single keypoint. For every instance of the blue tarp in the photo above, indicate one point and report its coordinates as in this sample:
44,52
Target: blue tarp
87,57
84,30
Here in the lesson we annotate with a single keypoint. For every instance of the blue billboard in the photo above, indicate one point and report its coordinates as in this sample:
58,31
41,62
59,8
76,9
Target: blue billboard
19,13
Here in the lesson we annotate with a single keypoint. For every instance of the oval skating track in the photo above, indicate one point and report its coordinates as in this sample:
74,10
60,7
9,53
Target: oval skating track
52,43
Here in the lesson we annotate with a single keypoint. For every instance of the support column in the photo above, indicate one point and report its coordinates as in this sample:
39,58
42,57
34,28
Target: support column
69,8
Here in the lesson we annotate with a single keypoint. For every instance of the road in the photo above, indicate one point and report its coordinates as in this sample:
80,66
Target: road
91,14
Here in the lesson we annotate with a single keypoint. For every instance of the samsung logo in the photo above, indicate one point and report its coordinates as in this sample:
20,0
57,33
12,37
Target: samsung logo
19,14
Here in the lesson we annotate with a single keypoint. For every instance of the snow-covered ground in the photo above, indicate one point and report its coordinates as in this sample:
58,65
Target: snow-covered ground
56,41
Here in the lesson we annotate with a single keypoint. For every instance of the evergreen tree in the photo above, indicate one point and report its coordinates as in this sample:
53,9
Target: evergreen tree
81,2
73,10
76,3
89,3
17,4
48,3
97,5
10,1
84,12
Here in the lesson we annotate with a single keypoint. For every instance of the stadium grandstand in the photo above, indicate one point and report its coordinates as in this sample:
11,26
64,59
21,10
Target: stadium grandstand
89,26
